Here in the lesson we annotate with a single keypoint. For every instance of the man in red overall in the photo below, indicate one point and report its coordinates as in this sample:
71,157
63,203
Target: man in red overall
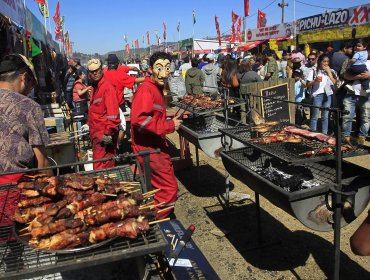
118,76
149,127
103,119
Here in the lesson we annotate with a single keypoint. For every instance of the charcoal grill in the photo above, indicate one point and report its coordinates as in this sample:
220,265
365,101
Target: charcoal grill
203,132
304,195
288,152
200,111
18,261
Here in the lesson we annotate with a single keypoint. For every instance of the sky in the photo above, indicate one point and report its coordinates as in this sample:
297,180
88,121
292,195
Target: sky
99,26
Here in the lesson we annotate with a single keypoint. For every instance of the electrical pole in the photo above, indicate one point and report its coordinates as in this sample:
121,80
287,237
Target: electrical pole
282,5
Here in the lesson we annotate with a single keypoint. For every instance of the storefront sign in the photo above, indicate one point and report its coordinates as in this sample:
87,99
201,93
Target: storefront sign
351,16
270,32
14,10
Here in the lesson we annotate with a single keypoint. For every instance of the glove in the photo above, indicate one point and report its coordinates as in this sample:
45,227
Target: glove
106,141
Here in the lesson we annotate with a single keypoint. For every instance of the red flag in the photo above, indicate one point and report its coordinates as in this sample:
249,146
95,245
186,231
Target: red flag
261,19
246,8
148,37
164,31
127,49
137,43
234,18
56,16
238,29
218,30
42,2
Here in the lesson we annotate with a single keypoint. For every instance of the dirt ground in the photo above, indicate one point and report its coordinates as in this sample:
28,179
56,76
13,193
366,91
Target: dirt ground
229,240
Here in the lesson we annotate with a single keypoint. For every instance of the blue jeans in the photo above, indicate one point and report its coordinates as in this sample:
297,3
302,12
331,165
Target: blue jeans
350,102
320,100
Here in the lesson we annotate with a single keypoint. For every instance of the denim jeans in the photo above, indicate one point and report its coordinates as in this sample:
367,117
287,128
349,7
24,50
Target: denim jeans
350,102
320,100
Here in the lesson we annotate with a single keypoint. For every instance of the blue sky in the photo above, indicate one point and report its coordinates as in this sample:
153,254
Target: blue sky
99,25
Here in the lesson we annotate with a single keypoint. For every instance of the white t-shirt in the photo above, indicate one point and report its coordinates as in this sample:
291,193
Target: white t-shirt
357,84
318,88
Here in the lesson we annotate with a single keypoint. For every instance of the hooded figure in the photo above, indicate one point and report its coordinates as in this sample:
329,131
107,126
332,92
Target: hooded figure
212,75
194,78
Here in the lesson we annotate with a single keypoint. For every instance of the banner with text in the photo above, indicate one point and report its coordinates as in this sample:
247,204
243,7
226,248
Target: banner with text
344,17
13,9
270,32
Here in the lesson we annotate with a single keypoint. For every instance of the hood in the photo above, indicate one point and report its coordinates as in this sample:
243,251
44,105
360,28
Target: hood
192,72
209,69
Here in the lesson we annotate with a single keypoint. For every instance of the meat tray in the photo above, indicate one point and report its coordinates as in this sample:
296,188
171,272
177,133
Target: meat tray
289,152
19,261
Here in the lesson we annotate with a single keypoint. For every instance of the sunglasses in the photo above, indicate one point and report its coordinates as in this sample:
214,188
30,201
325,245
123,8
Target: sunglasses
312,59
94,71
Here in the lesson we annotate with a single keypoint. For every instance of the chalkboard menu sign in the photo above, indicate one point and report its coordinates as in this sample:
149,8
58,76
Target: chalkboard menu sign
273,106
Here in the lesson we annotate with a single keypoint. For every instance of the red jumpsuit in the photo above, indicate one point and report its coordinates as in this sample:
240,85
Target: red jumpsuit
120,79
149,127
103,120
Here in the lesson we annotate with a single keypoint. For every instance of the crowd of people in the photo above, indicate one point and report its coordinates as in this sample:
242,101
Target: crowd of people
323,80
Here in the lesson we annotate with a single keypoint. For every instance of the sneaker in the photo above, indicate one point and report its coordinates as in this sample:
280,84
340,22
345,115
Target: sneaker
349,88
361,140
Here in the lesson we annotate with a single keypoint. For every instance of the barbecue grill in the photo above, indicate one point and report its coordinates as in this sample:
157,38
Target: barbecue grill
288,152
203,132
199,111
18,261
300,190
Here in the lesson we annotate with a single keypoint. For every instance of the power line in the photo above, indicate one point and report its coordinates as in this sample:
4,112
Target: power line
316,6
262,9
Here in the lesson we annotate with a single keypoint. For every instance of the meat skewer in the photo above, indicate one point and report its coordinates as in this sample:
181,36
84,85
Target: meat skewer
24,216
33,201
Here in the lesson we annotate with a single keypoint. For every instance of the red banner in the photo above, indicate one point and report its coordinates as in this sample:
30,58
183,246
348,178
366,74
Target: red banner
238,29
56,16
261,19
246,8
148,37
234,18
164,31
218,30
58,27
137,43
127,49
42,2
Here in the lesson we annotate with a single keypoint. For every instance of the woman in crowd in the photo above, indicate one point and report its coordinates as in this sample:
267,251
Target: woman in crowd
229,76
322,81
80,89
246,74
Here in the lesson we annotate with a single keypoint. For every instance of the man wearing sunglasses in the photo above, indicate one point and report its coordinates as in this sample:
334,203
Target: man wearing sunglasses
103,118
23,134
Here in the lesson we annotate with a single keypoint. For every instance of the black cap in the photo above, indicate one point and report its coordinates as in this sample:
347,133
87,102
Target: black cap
112,58
298,71
17,62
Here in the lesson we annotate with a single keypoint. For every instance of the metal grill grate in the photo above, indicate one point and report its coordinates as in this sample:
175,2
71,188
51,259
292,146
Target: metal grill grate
18,261
288,152
200,111
205,125
289,177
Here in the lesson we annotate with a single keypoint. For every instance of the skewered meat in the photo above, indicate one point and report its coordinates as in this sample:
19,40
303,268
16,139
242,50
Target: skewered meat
30,193
328,150
55,227
78,181
28,214
60,240
311,135
79,202
33,201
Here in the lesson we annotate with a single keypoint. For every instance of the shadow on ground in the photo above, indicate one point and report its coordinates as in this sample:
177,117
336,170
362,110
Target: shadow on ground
203,181
281,248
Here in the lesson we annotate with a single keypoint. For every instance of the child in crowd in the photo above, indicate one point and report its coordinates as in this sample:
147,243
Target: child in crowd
299,87
358,64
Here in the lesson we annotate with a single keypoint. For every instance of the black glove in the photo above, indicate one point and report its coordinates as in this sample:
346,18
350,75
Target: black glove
106,141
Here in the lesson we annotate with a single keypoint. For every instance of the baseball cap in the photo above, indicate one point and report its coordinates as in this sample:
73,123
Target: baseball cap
298,71
211,56
14,62
93,64
112,58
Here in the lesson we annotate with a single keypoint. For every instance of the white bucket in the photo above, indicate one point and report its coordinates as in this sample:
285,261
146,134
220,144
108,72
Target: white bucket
89,166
